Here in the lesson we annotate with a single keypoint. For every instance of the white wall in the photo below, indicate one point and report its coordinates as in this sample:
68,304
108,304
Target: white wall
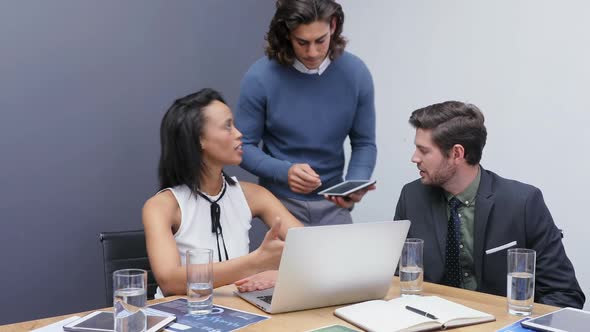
524,63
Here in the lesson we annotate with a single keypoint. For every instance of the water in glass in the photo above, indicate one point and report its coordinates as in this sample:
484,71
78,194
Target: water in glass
200,298
128,314
520,293
411,278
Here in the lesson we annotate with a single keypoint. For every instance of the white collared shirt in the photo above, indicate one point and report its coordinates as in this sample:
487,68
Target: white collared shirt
319,70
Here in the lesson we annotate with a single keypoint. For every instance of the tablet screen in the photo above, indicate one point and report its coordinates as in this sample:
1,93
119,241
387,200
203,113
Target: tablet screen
567,319
347,187
100,321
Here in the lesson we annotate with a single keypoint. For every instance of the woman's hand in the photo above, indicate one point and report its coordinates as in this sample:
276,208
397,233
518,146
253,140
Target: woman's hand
260,281
268,255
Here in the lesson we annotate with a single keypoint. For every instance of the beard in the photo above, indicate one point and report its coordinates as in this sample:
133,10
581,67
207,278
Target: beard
441,175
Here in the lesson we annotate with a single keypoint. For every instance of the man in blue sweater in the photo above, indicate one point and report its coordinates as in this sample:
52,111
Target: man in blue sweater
302,100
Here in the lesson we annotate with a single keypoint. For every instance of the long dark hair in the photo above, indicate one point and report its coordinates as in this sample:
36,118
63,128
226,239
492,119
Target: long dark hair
454,122
181,159
290,14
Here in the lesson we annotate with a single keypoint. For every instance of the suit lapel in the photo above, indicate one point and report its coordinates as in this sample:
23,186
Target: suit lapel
483,206
439,217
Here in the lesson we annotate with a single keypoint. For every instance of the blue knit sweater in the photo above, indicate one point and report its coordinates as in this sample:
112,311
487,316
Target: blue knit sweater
305,118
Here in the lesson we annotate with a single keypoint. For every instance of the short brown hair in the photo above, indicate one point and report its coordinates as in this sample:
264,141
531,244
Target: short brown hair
454,122
292,13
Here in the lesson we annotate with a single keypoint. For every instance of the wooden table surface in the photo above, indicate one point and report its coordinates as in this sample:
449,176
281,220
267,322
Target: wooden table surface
314,318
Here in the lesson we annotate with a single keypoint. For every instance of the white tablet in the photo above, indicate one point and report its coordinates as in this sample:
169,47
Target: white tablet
347,187
563,320
103,321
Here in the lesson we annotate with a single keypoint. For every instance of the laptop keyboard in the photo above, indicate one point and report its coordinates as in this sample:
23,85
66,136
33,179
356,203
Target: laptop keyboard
265,298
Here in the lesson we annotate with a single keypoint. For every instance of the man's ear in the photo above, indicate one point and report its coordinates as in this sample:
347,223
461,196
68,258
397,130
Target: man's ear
458,152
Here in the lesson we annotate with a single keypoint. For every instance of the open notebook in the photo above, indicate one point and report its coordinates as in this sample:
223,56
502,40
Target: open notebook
392,315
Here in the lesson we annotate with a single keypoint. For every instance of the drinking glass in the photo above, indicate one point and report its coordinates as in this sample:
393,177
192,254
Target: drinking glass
411,269
129,300
199,281
520,284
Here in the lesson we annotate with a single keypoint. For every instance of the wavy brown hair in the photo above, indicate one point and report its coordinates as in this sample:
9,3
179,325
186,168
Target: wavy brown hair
292,13
454,122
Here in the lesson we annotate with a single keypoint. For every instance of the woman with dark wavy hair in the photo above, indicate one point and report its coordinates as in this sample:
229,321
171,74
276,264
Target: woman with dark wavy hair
199,206
302,101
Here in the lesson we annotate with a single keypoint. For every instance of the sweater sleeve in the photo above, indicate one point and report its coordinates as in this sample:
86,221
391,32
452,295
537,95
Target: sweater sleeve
250,120
362,135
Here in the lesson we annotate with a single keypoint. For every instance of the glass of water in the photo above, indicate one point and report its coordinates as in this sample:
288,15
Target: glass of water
411,268
129,300
520,284
199,281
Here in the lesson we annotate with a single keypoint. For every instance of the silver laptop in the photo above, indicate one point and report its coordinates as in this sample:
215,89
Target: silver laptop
330,265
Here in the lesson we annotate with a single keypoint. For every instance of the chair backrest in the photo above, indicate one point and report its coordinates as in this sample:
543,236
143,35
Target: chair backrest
125,250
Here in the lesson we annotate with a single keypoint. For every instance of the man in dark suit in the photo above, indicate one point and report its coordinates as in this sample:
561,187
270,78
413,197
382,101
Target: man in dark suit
468,216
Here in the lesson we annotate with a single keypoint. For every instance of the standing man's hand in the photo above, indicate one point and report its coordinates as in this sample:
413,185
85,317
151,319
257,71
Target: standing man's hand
347,202
303,179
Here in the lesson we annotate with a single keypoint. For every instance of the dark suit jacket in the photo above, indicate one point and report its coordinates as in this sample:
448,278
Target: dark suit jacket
505,211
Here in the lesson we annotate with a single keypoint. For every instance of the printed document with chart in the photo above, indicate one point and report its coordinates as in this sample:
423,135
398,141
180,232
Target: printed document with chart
221,319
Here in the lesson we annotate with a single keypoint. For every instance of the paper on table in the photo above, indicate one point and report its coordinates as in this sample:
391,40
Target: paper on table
57,326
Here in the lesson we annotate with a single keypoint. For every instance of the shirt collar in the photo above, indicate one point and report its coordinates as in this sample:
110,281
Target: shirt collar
467,197
323,66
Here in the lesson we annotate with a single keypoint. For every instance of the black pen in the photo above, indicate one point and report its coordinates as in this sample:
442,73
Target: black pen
420,312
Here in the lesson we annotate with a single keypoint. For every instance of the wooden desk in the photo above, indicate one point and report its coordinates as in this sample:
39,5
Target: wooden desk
315,318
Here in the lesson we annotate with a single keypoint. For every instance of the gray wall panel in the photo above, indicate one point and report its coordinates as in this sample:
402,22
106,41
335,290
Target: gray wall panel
83,87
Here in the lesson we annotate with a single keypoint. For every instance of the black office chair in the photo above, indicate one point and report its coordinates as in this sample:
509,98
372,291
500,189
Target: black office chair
125,250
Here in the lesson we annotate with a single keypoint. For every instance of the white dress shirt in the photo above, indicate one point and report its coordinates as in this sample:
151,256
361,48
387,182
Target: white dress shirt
319,70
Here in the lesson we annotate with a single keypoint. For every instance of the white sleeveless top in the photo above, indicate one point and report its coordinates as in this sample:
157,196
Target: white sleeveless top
195,223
